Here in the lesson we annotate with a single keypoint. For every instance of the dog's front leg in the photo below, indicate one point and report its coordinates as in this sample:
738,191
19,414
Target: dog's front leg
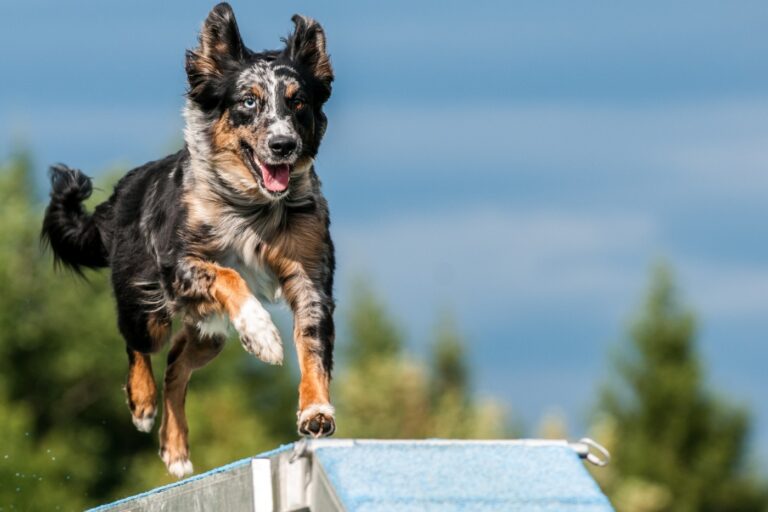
210,289
314,336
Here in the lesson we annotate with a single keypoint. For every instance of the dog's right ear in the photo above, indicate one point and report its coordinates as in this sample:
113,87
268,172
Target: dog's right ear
220,48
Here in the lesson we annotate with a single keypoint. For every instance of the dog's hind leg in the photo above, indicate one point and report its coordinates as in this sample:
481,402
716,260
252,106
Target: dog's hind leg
145,332
189,351
141,390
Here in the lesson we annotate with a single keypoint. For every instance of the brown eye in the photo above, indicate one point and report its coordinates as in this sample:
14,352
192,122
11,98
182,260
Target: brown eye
297,104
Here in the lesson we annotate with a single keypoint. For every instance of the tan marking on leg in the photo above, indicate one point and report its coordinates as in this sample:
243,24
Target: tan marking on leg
224,291
296,258
188,353
141,390
314,380
314,385
315,414
229,289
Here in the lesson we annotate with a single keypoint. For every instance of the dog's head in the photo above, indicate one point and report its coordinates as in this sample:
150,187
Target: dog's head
257,116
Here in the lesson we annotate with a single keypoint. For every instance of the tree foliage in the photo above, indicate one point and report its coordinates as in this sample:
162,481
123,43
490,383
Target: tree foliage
384,393
676,446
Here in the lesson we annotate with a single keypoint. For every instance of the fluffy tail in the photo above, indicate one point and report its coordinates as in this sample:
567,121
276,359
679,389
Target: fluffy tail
72,233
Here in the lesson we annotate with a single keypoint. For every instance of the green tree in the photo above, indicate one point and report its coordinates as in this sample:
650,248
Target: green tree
379,393
676,446
383,393
373,334
450,373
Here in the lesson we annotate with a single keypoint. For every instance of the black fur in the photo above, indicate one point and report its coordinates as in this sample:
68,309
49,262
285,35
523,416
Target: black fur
74,235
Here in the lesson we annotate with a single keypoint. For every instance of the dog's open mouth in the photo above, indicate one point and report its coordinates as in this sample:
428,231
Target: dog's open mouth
273,177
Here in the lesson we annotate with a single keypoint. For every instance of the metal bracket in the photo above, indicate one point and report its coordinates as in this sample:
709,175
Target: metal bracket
592,451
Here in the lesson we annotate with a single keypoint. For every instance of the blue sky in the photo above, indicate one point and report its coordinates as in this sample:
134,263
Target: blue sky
523,164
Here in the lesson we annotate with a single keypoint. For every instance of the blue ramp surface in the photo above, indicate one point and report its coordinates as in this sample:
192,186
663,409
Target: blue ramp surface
370,476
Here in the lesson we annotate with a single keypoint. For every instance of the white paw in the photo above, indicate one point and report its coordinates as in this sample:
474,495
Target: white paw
144,424
179,467
258,334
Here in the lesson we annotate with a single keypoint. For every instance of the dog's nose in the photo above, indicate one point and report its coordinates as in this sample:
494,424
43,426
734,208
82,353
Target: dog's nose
282,145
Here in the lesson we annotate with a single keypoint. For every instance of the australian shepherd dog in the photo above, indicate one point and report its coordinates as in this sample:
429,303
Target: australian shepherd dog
207,234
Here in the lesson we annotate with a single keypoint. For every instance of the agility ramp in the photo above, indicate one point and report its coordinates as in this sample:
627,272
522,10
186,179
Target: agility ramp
392,476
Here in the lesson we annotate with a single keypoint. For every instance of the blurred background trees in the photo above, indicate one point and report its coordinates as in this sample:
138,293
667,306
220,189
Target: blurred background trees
676,446
67,442
383,392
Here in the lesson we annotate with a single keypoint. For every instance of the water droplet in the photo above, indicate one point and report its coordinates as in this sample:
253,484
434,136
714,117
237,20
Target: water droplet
5,457
26,434
18,489
53,458
17,474
67,477
48,450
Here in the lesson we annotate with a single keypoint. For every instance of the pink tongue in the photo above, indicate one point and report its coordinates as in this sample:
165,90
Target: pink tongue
276,176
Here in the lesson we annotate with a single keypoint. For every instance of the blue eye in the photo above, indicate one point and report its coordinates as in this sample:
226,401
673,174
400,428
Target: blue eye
249,102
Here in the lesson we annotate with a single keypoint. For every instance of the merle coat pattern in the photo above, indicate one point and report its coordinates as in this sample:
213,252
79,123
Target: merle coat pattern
234,218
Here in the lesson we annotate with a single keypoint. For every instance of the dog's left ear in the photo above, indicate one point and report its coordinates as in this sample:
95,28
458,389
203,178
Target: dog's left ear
306,47
220,48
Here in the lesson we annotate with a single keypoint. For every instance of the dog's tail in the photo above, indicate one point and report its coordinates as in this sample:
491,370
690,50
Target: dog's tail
72,233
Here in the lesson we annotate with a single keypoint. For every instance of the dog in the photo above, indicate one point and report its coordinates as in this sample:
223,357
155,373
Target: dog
207,234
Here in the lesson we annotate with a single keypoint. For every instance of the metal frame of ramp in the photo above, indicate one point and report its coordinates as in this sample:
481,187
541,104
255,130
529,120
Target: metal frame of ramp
381,475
